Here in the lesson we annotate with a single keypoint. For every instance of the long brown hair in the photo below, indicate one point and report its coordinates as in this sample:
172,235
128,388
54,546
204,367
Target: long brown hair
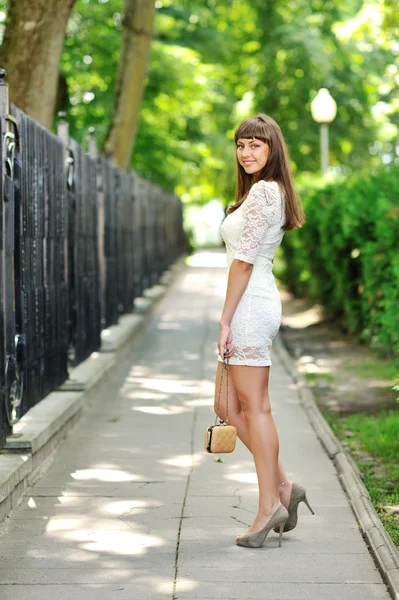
277,168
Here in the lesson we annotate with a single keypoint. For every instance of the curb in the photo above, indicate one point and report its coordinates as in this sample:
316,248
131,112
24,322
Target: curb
37,434
379,542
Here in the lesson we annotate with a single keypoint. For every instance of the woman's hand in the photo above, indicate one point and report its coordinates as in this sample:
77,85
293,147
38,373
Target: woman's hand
225,342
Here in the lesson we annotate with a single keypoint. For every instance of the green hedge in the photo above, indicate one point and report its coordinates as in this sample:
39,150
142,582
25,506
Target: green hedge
346,256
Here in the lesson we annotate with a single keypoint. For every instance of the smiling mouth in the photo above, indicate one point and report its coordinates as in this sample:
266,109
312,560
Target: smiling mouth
248,162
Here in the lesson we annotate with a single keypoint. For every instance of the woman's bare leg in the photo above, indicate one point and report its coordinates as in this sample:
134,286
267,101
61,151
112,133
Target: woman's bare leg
236,416
251,384
238,419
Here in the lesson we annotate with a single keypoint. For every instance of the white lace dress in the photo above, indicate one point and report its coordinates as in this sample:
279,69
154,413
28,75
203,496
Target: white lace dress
252,233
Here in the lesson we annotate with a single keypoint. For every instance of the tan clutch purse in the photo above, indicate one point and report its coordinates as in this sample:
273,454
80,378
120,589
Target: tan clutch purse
221,437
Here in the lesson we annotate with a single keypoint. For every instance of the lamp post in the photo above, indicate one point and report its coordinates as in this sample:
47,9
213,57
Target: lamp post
324,109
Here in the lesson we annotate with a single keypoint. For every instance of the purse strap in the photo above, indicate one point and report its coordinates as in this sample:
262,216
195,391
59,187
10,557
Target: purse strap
225,366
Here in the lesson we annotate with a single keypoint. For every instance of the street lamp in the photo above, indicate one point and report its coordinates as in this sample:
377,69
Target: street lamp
324,109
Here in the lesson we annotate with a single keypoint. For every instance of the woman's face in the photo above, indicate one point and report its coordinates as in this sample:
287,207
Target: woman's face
252,154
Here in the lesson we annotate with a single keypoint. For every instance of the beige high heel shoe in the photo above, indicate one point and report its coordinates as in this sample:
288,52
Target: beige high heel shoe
298,494
255,540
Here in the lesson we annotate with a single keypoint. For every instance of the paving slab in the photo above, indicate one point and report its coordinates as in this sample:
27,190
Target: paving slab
117,335
153,588
133,508
280,591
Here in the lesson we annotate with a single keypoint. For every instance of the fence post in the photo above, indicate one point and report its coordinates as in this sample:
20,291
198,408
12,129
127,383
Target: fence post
93,153
4,426
63,128
10,369
63,134
69,166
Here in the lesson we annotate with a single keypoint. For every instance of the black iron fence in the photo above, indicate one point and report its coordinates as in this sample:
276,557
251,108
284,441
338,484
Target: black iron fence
80,239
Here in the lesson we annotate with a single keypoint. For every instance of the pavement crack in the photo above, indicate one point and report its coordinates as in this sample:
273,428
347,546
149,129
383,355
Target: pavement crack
239,521
182,517
206,333
132,525
238,505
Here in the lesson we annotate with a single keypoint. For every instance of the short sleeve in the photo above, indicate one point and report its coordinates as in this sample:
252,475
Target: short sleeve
261,205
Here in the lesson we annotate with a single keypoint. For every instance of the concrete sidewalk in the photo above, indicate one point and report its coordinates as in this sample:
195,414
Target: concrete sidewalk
132,508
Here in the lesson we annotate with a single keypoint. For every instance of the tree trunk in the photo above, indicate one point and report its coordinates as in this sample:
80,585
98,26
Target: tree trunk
137,32
31,52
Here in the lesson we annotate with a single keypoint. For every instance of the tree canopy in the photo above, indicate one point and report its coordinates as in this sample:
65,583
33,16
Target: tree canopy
213,63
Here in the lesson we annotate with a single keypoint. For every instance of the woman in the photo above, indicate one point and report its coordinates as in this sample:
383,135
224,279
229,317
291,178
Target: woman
266,206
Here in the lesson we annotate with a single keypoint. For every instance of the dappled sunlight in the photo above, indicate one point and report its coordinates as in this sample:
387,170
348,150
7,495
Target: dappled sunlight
183,460
326,363
208,385
103,514
104,465
168,321
69,499
207,259
299,313
114,541
183,585
160,390
75,555
164,385
161,410
199,402
94,522
219,292
337,344
243,477
122,507
141,370
193,279
244,464
304,318
164,587
64,524
305,359
170,325
143,395
111,475
187,355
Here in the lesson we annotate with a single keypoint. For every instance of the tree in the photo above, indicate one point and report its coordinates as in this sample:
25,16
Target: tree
310,44
184,137
136,40
31,51
213,63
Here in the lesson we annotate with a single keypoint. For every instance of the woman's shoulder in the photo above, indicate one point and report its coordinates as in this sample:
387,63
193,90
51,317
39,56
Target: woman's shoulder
269,190
262,183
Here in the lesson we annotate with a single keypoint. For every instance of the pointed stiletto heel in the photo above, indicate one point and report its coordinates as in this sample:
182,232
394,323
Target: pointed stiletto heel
280,536
298,494
308,505
256,540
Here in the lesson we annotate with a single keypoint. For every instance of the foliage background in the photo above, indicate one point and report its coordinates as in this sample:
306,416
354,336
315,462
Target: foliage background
214,63
347,255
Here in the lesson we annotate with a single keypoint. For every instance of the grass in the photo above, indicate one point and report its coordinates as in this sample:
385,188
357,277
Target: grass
313,377
373,369
374,444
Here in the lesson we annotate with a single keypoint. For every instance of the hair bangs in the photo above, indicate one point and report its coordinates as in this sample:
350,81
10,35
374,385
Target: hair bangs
252,128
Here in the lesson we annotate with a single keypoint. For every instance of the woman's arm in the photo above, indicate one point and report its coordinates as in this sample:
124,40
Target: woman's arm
239,274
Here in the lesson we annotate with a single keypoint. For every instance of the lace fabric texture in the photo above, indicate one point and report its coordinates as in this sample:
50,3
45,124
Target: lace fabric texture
252,233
